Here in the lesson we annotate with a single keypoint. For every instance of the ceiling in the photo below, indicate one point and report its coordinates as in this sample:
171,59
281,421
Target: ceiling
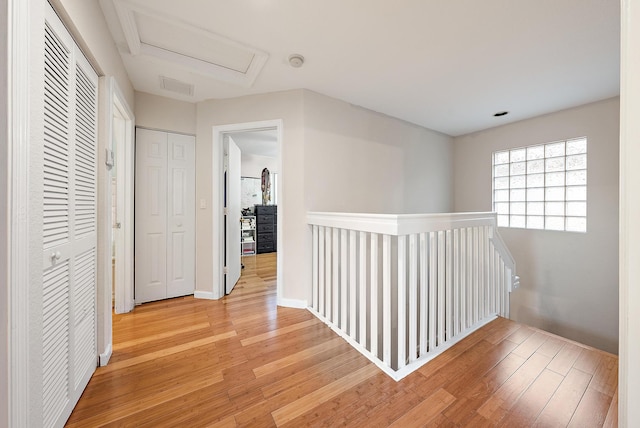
445,65
260,143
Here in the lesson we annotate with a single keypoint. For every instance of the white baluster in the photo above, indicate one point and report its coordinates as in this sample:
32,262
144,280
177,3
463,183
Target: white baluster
424,293
457,268
433,289
402,301
353,285
441,287
481,270
448,285
470,278
321,271
373,269
328,274
362,310
476,276
386,299
413,297
314,268
343,279
336,276
463,279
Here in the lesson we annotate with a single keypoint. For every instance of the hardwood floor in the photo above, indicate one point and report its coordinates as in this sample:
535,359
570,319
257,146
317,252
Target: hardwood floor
242,361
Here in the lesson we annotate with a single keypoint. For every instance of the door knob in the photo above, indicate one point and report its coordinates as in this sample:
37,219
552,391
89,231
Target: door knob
118,225
55,256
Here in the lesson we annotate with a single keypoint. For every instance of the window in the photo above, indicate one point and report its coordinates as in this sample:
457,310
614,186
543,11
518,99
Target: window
542,186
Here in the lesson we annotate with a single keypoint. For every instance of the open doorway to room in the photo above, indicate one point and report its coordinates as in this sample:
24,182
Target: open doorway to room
121,198
259,204
250,180
115,213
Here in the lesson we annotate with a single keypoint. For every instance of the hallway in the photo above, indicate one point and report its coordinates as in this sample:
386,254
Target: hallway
241,361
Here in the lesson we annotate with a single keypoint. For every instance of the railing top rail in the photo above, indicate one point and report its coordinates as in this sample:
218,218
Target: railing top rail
401,224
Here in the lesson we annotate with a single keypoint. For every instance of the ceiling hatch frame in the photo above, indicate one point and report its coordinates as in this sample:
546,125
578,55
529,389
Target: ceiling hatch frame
244,75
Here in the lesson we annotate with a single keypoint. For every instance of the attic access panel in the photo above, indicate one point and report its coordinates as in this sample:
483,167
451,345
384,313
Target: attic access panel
149,33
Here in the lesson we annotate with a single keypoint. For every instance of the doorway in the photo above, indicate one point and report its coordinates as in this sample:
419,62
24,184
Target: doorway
115,249
236,131
121,198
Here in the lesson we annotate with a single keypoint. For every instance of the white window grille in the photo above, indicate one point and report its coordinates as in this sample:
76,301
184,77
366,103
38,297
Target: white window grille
542,186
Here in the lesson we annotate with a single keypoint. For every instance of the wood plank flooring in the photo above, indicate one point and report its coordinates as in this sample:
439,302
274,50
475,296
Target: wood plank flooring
243,361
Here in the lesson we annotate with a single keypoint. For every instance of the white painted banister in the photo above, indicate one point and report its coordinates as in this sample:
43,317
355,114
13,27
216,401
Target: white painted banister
403,288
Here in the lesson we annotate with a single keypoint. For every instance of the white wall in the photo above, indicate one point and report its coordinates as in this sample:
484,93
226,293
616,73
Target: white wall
357,160
629,374
252,165
86,22
156,112
569,281
4,207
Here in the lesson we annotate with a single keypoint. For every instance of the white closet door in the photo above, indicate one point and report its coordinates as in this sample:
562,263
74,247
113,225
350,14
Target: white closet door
165,215
69,355
151,216
181,240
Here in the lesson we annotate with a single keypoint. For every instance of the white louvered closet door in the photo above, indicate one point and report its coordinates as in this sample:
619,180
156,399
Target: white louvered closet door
69,355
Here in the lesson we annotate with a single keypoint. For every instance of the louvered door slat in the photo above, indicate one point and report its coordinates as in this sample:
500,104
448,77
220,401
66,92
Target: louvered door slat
85,166
85,271
69,189
55,352
56,151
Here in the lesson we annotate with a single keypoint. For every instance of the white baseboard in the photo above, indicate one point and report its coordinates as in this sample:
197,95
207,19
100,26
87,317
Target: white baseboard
105,356
292,303
209,295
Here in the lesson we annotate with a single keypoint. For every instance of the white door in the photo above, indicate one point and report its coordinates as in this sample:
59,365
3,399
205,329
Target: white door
233,209
150,216
164,215
181,200
68,335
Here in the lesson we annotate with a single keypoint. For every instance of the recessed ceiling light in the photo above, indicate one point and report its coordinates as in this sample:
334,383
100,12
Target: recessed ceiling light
296,60
501,113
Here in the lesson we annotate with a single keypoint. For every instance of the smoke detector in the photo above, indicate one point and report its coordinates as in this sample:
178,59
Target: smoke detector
296,60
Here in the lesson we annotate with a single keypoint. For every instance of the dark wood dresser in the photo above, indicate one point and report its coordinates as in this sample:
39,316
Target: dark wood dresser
266,228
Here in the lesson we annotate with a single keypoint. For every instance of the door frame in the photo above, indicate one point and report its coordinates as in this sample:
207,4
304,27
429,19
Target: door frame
14,305
217,201
114,103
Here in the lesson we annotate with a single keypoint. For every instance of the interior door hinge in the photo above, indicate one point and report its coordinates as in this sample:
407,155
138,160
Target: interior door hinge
226,210
225,270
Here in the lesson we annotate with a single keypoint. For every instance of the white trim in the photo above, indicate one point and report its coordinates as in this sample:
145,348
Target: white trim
112,101
400,224
19,45
124,291
209,295
293,303
629,317
217,200
105,356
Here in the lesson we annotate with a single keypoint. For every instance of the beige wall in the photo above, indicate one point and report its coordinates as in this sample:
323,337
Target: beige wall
87,24
252,165
357,160
282,105
335,157
156,112
569,281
